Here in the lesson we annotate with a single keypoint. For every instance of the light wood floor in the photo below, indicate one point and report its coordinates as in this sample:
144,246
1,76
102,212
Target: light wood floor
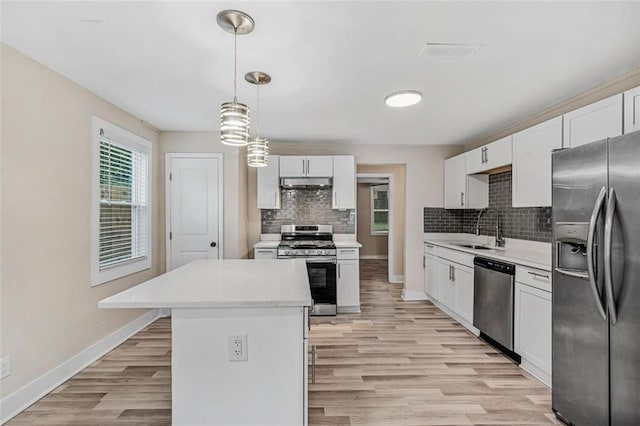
396,363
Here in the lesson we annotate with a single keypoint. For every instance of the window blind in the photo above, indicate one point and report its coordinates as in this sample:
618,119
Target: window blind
123,203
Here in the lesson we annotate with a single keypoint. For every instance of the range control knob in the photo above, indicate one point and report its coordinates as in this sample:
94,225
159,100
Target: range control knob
286,252
306,252
320,252
294,252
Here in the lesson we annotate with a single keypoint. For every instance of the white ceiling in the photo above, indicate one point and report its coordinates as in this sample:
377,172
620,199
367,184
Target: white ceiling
333,63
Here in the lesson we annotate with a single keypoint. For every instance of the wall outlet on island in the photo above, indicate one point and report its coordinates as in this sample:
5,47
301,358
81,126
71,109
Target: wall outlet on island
5,367
238,347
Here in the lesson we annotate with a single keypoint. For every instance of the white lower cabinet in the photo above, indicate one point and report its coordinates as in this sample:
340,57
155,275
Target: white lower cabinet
446,286
265,253
431,271
532,330
348,280
463,282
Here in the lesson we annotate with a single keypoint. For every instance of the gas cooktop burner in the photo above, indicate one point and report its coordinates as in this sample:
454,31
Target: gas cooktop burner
307,240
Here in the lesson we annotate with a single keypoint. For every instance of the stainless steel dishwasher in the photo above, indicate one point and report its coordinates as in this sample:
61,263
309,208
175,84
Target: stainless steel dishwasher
493,300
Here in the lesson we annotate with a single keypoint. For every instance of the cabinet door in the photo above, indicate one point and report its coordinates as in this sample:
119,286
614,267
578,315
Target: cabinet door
531,185
532,325
455,178
344,182
431,276
632,110
348,285
498,153
463,283
594,122
319,166
477,195
293,166
269,184
265,253
446,288
475,160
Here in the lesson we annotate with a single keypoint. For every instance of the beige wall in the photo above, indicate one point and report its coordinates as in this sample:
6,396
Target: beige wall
49,310
372,245
424,187
398,200
234,182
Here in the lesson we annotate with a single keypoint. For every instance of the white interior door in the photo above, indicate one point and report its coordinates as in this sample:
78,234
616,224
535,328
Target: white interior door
194,208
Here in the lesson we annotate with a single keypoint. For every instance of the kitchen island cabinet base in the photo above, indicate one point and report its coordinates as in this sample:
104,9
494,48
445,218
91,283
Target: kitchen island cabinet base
269,388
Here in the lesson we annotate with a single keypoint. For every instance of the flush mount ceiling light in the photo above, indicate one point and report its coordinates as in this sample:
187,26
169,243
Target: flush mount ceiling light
403,98
234,116
258,148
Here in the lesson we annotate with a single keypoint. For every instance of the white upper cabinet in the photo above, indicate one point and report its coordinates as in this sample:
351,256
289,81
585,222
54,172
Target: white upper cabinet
269,184
532,163
320,166
632,110
593,122
293,166
344,182
455,182
491,156
462,191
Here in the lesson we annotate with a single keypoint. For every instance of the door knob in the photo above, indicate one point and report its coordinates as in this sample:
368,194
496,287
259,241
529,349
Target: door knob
213,244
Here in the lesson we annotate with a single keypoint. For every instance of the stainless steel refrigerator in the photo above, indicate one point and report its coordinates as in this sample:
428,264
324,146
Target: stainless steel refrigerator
596,283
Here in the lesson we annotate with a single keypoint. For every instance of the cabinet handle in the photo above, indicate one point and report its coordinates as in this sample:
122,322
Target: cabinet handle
307,166
424,262
265,251
428,246
347,250
546,277
338,271
313,363
303,171
449,272
482,155
462,199
453,273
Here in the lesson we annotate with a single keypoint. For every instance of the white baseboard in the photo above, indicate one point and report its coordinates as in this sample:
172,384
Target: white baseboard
408,295
397,279
373,256
536,371
19,400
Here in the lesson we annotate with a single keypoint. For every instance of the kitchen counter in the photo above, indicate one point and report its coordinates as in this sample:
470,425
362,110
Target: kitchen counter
241,323
221,283
347,244
531,254
269,244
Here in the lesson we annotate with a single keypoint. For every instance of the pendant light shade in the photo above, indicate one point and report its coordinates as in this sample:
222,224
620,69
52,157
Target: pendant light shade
234,123
258,148
234,116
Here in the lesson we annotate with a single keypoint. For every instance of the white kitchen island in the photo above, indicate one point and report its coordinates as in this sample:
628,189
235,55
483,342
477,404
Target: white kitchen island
215,303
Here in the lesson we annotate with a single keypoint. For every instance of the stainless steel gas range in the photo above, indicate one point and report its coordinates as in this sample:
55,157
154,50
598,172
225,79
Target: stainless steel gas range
314,243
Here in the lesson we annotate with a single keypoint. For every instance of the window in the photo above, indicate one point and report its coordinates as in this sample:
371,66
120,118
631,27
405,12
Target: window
379,209
121,222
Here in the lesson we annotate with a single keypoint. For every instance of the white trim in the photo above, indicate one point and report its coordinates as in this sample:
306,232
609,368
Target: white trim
349,309
391,233
536,372
373,256
409,295
167,200
19,400
126,138
396,279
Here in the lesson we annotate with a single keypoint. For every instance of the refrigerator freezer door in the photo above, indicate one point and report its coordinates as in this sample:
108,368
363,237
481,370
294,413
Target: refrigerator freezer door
624,177
580,363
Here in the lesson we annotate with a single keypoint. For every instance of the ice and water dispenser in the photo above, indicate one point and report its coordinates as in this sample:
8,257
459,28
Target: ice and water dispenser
571,247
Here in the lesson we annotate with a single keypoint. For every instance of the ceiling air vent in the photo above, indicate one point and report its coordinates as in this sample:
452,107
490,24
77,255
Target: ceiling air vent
456,50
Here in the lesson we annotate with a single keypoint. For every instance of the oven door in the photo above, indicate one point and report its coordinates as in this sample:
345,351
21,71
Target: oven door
322,280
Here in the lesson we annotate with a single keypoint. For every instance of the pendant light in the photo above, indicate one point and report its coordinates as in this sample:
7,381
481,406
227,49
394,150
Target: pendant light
258,148
234,116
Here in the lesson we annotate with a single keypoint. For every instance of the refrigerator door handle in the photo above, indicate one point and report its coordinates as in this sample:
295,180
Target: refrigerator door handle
608,236
597,208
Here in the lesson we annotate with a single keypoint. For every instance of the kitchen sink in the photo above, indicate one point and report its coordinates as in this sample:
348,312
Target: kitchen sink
475,247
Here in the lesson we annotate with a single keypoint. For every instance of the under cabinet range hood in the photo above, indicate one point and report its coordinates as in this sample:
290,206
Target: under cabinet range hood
325,182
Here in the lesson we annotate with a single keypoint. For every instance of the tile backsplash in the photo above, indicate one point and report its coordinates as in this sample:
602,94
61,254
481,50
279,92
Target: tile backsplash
525,223
303,206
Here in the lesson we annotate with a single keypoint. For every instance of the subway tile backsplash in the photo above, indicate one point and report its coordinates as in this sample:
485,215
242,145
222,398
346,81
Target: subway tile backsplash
526,223
302,206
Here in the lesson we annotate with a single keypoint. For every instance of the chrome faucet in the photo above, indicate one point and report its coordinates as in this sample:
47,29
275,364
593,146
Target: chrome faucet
499,240
478,221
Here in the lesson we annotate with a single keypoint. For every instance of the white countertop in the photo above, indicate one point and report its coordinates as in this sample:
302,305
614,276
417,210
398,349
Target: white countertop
266,244
532,254
233,283
347,244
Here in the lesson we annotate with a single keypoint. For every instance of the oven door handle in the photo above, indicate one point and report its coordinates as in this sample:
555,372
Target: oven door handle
321,260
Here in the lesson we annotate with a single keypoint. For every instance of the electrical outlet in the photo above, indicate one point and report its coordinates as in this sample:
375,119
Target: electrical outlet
5,367
238,347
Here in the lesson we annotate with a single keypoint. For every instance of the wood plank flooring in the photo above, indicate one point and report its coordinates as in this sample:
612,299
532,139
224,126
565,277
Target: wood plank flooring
396,363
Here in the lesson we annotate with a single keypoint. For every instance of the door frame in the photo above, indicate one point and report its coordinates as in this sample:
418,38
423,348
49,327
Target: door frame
390,259
168,157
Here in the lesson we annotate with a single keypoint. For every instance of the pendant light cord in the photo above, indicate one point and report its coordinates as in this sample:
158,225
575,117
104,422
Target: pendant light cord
235,64
258,109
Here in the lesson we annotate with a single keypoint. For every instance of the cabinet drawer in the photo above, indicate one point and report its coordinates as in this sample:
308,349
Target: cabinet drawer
429,248
265,253
537,278
455,256
347,253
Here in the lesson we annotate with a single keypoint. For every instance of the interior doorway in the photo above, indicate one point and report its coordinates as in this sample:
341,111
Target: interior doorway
193,202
